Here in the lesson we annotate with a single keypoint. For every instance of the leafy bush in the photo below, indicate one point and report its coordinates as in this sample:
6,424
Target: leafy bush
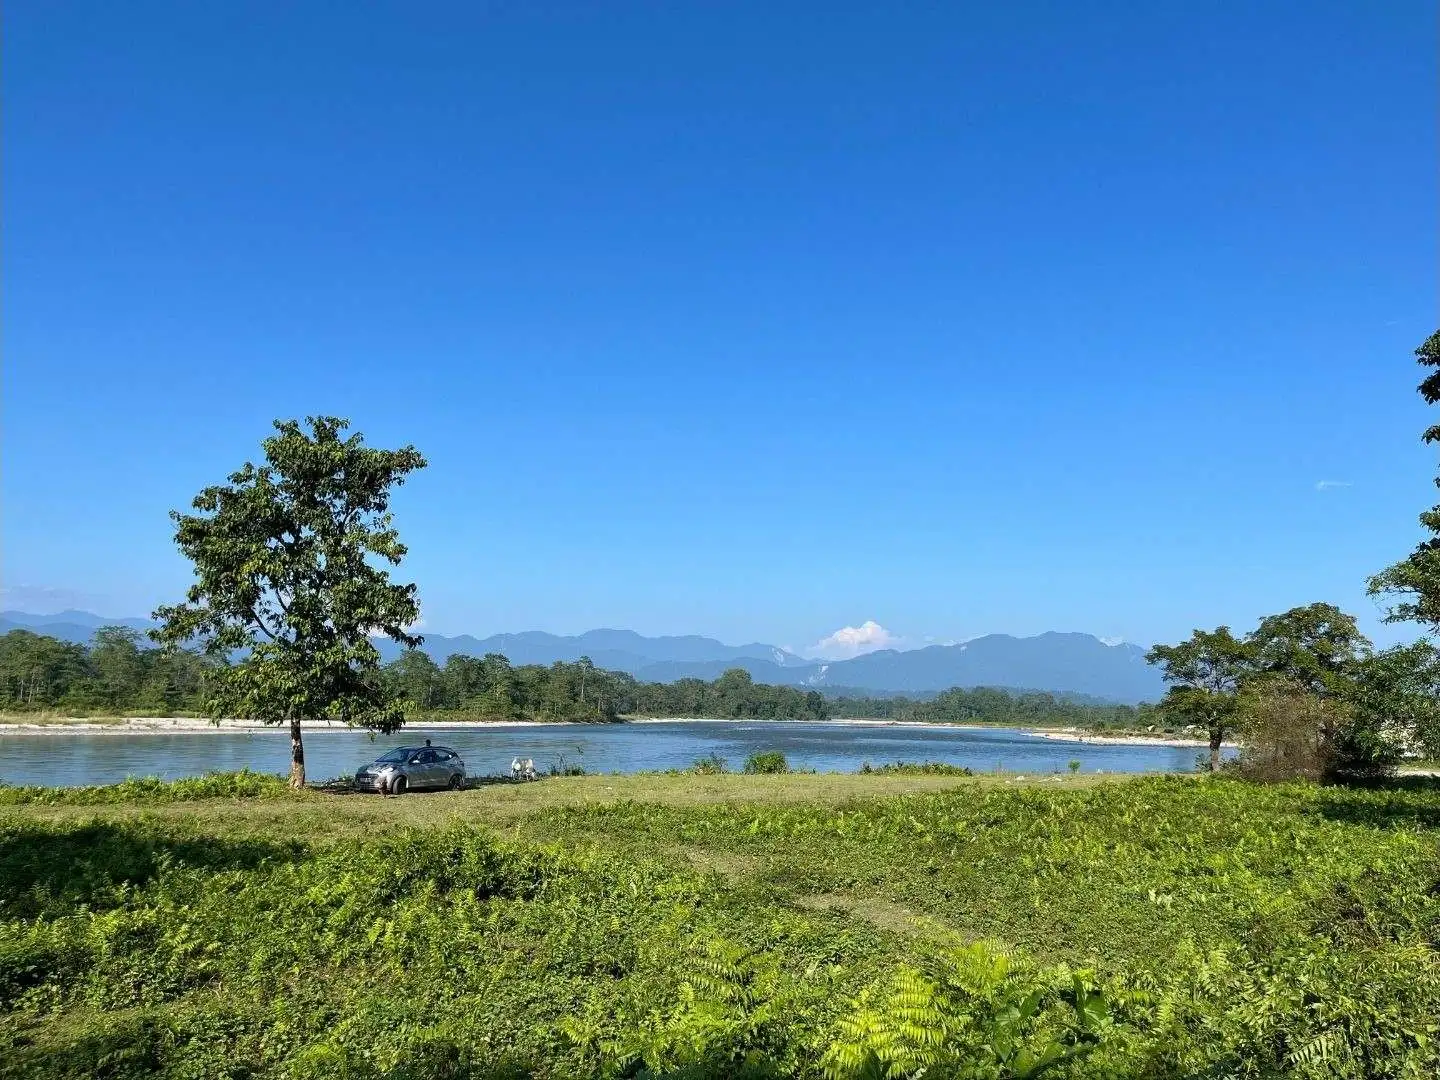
767,761
711,764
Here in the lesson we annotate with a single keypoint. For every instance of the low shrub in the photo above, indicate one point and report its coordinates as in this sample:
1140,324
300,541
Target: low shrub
917,768
711,764
767,761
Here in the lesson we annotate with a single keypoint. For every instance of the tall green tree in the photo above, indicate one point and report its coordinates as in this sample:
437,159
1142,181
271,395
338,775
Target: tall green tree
119,667
1205,673
1317,648
501,688
1412,586
416,679
287,583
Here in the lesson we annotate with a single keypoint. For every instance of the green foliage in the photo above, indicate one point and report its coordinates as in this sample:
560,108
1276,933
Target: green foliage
1317,648
233,785
712,764
1205,673
972,1012
286,592
1307,693
114,675
988,705
1395,701
1105,937
493,689
1413,584
733,696
917,768
767,761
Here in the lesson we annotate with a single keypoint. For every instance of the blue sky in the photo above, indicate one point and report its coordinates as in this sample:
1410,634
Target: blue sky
750,320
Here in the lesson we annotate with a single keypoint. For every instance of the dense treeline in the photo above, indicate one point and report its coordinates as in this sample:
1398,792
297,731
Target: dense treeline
490,688
113,674
117,674
988,705
1307,693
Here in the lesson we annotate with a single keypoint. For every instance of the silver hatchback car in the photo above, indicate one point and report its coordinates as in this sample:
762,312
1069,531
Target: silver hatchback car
411,768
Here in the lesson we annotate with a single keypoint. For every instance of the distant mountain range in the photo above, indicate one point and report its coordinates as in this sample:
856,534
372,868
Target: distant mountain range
1077,664
67,625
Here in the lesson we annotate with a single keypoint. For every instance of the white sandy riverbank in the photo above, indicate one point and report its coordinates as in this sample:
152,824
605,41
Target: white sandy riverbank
191,725
1078,736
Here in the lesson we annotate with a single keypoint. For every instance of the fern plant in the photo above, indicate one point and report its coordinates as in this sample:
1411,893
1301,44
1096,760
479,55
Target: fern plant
975,1013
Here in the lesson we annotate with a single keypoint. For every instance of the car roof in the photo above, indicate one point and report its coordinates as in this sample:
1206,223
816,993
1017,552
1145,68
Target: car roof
417,749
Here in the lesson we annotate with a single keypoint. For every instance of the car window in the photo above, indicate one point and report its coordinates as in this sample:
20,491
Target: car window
427,756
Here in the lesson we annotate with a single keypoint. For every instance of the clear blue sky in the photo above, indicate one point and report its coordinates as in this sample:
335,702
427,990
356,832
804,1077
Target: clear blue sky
749,320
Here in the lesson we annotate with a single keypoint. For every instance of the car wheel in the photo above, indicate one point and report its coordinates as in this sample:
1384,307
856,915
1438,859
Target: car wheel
398,785
457,782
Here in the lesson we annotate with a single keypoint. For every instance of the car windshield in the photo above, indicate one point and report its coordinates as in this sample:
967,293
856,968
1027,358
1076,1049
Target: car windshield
400,753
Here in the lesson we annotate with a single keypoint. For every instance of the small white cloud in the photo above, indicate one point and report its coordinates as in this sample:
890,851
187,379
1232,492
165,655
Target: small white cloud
415,627
1112,641
851,641
1326,485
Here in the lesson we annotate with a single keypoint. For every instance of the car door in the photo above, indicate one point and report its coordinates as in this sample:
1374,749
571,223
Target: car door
447,764
427,771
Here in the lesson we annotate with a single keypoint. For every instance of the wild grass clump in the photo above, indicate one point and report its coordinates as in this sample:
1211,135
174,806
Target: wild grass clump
712,764
767,761
149,789
917,768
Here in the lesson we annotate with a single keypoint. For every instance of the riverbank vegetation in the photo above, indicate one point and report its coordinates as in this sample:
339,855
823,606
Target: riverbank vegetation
728,925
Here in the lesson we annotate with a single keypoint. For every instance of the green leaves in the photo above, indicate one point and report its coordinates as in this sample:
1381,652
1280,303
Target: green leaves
1413,585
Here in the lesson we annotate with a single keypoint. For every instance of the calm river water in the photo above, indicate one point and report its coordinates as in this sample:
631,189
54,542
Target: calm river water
73,759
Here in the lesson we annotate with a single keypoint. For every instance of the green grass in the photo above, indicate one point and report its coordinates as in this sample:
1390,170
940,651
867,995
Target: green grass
722,925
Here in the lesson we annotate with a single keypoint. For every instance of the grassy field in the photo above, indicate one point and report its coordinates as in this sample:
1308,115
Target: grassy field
709,926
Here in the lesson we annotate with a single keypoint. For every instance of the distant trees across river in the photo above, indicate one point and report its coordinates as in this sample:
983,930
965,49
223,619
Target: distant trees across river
117,674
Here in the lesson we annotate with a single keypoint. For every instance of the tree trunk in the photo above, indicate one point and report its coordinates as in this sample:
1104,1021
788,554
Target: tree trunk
297,755
1217,734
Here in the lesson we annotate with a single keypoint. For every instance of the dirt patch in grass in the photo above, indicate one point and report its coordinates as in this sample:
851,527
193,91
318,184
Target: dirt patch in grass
881,914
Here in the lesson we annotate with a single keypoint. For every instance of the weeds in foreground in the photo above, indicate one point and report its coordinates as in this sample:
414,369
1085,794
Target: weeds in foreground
1156,928
917,768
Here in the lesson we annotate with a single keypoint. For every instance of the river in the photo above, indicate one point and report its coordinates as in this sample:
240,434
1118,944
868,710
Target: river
71,758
